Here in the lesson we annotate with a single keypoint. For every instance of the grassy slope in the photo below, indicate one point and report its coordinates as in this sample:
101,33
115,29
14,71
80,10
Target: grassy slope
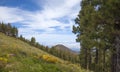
23,59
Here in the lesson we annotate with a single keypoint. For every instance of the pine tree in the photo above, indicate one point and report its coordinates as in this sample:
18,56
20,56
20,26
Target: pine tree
14,32
98,31
9,27
33,41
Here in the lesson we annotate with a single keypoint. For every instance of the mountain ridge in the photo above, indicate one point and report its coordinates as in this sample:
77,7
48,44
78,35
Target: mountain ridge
65,48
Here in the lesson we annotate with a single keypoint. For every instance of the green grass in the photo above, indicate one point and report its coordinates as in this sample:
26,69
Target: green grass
21,58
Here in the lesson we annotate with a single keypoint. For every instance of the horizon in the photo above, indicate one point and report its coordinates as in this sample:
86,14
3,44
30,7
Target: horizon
49,21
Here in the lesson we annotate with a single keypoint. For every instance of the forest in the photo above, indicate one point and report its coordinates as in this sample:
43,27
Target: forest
98,30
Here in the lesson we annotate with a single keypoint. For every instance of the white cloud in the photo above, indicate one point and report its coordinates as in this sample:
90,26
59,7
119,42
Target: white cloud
9,14
45,19
54,39
60,8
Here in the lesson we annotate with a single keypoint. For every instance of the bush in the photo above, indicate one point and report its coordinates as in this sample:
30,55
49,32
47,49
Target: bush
49,58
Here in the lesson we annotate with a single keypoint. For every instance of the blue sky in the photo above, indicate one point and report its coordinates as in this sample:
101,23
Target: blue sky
49,21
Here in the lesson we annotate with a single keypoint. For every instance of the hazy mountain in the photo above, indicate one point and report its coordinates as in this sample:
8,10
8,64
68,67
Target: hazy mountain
64,48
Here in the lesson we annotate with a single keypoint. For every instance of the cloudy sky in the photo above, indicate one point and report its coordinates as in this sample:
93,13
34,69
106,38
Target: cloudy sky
49,21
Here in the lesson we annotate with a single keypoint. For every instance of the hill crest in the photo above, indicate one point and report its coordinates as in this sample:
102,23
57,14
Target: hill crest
64,48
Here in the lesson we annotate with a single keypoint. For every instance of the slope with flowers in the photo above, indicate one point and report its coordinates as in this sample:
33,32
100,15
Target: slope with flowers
18,56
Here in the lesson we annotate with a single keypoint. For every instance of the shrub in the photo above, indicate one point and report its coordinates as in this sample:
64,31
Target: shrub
49,58
37,56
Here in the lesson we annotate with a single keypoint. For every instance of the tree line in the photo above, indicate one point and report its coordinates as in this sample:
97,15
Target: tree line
97,29
64,54
9,30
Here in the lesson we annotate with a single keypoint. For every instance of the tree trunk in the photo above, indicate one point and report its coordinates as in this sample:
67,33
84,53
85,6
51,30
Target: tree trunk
116,54
86,58
117,46
90,59
104,65
96,57
113,62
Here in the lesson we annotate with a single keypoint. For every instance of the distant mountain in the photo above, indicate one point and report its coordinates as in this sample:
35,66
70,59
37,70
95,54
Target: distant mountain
64,48
77,50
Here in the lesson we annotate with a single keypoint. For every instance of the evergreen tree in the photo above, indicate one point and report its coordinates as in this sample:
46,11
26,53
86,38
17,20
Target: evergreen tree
14,32
33,41
9,27
98,31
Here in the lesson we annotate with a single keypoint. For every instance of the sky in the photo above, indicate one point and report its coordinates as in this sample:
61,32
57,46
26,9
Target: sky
49,21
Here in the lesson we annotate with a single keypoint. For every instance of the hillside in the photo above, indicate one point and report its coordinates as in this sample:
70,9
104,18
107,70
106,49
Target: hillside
18,56
65,53
64,48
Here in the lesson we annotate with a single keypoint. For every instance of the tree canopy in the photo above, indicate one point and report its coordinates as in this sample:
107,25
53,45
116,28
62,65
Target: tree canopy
98,31
8,29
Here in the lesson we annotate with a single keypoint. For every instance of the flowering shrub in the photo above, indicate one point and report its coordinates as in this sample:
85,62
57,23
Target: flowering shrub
3,62
37,56
49,58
